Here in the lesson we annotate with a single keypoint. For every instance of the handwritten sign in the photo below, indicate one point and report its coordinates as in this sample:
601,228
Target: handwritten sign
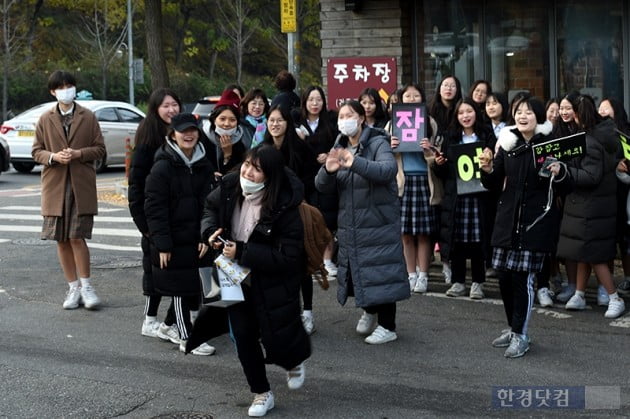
564,148
467,167
625,144
409,125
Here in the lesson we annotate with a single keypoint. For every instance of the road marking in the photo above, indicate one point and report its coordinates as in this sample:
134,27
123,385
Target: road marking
38,208
622,322
551,313
5,240
98,218
95,232
112,247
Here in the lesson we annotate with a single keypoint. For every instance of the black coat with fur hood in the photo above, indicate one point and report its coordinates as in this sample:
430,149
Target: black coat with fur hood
523,195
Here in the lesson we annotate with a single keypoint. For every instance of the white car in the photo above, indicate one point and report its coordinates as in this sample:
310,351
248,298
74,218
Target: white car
118,121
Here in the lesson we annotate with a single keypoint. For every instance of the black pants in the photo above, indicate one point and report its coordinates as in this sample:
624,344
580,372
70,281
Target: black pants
386,315
180,314
474,252
517,292
307,292
246,333
542,277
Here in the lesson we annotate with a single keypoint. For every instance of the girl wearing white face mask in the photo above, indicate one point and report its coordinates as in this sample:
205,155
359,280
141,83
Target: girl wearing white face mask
256,211
362,169
69,206
226,134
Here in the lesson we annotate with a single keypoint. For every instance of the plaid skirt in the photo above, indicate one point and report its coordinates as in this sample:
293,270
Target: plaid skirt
70,225
517,260
417,216
467,224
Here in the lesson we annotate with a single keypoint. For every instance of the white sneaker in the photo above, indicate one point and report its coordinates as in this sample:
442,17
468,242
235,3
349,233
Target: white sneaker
422,283
150,328
544,297
295,377
89,297
331,269
262,403
602,296
476,291
447,274
576,303
204,349
413,279
381,335
169,333
73,298
366,323
456,290
307,321
616,307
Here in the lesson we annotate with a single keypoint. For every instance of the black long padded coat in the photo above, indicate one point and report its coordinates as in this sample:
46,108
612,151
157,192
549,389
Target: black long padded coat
275,254
448,173
174,195
588,229
524,194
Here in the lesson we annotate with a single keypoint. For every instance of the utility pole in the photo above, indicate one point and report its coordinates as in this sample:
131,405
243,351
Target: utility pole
288,25
130,51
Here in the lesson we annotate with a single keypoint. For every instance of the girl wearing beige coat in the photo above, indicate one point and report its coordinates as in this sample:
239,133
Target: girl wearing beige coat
67,141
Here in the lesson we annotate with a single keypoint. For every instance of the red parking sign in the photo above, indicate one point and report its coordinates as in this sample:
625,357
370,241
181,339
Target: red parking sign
347,77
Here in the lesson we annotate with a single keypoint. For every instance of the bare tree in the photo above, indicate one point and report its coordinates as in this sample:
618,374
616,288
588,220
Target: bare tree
238,22
11,43
155,45
103,40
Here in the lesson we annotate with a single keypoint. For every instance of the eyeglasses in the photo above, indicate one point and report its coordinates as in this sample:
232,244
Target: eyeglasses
449,86
276,121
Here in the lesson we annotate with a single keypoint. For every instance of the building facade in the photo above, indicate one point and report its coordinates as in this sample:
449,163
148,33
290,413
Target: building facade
547,47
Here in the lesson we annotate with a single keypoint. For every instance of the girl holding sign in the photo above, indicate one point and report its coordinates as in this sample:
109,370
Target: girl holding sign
523,233
417,190
465,218
587,234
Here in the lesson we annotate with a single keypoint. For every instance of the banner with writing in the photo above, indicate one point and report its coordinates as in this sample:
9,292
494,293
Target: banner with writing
625,144
563,148
467,167
409,125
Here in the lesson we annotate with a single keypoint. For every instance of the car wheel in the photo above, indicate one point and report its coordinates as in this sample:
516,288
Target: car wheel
23,167
100,165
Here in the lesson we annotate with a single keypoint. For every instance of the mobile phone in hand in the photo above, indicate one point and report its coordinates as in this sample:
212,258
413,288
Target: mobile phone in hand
222,240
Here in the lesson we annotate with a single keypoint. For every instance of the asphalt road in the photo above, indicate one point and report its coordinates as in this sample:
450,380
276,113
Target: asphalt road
95,364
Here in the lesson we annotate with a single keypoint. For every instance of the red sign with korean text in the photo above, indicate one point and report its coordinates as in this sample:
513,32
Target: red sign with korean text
347,77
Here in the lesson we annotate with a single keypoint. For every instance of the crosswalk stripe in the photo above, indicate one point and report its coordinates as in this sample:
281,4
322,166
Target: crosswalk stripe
98,218
38,208
114,247
95,232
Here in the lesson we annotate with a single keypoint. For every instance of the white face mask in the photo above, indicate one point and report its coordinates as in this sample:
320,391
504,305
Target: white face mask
66,96
348,127
250,187
220,131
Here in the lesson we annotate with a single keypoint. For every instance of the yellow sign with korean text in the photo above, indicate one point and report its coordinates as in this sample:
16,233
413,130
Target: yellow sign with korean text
288,16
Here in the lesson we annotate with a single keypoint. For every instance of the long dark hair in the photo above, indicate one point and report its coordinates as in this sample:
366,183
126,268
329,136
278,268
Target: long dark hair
380,114
586,113
271,162
325,123
479,127
621,117
477,83
561,128
293,159
152,129
444,115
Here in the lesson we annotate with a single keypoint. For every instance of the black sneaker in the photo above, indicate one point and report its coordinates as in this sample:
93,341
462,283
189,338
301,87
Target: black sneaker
624,287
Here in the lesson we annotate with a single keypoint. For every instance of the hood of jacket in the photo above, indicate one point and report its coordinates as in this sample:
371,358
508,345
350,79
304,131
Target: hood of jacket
508,136
170,151
605,133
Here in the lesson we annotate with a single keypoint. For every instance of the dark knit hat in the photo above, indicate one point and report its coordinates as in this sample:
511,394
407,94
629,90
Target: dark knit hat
229,98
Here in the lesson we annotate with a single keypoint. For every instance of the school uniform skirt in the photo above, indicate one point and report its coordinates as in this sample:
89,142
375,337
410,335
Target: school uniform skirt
70,225
417,216
517,260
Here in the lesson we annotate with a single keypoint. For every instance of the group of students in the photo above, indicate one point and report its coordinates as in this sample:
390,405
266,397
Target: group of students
232,185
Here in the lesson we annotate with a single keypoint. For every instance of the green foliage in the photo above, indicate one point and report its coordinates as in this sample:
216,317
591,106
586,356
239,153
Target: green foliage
205,66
